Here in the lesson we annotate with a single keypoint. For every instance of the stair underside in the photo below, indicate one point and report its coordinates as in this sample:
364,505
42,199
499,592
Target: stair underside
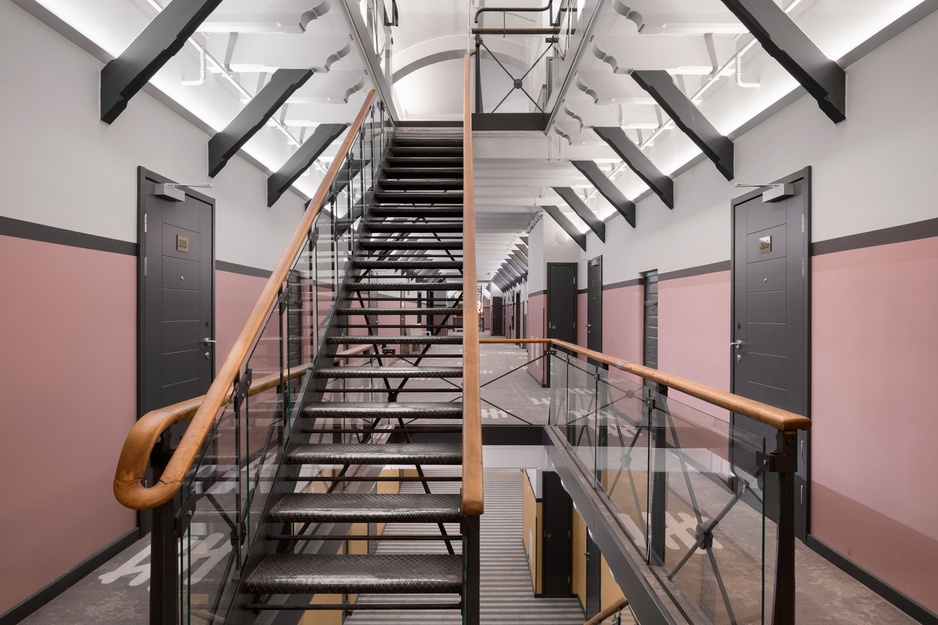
407,286
452,339
399,311
309,574
391,372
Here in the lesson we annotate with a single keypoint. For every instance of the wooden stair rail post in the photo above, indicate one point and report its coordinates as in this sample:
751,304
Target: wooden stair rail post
131,466
608,611
783,460
472,490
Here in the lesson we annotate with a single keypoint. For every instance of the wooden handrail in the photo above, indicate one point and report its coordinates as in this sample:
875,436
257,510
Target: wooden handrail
608,611
131,466
777,418
472,492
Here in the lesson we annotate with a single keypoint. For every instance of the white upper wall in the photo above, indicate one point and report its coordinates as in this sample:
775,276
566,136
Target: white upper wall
872,171
61,166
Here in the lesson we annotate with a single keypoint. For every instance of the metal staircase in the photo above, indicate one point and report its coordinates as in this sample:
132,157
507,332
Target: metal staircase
410,242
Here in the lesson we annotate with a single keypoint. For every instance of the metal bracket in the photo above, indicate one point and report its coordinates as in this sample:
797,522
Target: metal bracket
242,384
184,516
777,463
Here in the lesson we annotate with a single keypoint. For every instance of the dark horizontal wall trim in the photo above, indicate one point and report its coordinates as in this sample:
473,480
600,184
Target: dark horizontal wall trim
19,612
908,605
244,270
623,284
582,291
536,293
897,234
695,271
58,236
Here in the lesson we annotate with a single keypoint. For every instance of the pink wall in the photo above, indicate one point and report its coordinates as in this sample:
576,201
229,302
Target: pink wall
68,396
874,362
235,295
694,333
487,318
536,305
622,323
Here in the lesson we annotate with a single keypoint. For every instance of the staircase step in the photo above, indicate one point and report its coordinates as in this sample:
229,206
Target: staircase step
362,508
398,311
436,184
404,244
356,573
418,197
417,211
395,339
392,226
427,150
412,162
407,264
389,410
401,139
377,454
422,172
390,372
407,286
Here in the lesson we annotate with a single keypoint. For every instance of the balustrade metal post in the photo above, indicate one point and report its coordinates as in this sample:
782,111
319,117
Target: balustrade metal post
472,573
657,523
164,551
478,74
784,462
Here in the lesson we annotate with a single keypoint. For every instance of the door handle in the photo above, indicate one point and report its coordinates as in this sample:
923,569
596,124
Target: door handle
208,340
737,344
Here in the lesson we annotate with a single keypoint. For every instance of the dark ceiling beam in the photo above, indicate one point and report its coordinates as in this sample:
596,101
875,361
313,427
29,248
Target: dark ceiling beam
301,160
823,78
226,143
687,116
517,269
607,189
523,246
162,38
520,258
660,184
583,211
566,224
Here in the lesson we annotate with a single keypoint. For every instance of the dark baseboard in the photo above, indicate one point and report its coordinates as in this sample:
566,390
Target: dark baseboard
908,605
18,612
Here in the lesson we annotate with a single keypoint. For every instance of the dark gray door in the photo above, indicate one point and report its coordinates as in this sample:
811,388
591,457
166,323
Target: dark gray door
594,304
517,311
557,540
561,301
497,317
650,320
770,304
176,295
593,577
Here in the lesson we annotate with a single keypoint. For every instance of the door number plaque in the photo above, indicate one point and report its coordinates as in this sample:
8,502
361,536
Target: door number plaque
765,245
182,244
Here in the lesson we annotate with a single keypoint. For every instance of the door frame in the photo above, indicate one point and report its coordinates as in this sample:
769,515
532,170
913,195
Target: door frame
143,175
547,300
803,476
590,264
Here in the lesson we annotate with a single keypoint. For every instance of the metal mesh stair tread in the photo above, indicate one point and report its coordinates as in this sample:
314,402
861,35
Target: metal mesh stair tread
399,173
407,286
371,244
391,226
443,197
408,264
391,372
399,311
390,338
356,573
356,507
420,183
417,211
376,454
371,410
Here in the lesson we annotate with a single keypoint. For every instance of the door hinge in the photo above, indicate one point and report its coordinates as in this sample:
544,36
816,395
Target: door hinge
144,222
144,266
802,494
802,266
802,223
